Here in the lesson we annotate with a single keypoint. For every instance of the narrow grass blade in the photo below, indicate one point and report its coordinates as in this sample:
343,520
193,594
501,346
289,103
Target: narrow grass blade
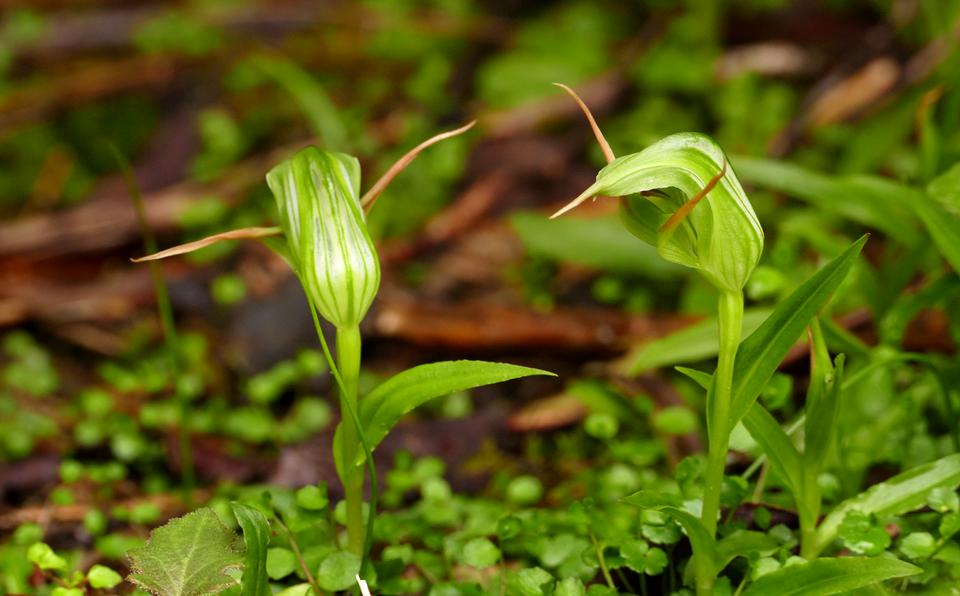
320,111
256,537
693,343
761,353
854,198
783,456
169,327
830,576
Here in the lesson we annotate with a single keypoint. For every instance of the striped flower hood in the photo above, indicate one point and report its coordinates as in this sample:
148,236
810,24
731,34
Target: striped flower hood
318,198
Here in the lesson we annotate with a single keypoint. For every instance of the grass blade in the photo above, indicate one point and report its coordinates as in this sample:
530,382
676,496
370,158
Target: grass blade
783,455
830,576
761,353
169,328
256,537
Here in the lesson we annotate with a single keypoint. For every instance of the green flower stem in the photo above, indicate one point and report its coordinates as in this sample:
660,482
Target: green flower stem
718,421
168,326
348,361
808,510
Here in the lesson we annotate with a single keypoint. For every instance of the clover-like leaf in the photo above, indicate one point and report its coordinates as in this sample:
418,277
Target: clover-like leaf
918,545
102,577
480,553
860,533
41,555
338,571
642,558
189,556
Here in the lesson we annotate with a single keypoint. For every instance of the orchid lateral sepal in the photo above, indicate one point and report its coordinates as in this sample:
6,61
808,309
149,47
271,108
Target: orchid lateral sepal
367,202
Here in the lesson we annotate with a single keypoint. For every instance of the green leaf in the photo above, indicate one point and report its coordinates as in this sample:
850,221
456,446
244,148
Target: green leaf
256,536
900,494
761,353
642,558
918,545
944,500
310,96
876,202
601,243
778,446
480,553
945,189
691,344
570,586
822,577
312,497
281,562
385,405
297,590
860,533
703,379
102,577
41,555
189,556
533,581
949,525
857,198
822,405
944,227
741,544
675,420
338,571
701,541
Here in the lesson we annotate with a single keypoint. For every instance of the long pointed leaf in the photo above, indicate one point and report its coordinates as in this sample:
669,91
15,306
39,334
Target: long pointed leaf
830,576
767,432
877,202
822,418
783,455
385,405
761,353
860,199
696,342
944,228
256,537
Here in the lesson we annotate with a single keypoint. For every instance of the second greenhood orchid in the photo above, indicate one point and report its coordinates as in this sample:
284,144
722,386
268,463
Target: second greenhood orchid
680,195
